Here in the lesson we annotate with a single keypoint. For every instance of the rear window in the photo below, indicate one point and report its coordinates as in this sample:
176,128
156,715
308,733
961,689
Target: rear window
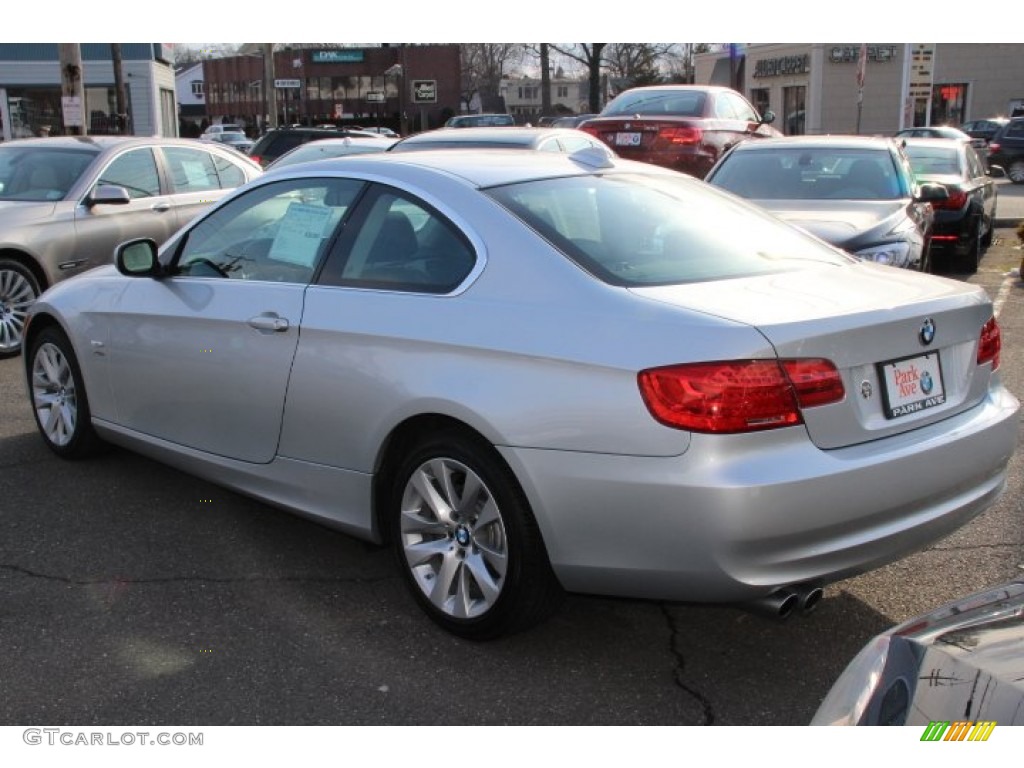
934,161
677,103
635,230
814,173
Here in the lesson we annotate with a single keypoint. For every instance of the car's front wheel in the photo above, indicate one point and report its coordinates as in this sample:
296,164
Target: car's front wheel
18,289
466,539
59,401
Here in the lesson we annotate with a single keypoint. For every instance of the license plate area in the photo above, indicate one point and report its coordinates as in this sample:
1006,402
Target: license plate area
911,384
628,139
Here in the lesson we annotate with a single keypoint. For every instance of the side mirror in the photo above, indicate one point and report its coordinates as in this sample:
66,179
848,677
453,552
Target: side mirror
932,193
107,194
138,258
996,172
768,118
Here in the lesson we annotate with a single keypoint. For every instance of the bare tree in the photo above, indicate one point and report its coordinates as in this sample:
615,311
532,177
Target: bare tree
678,61
483,65
590,56
636,63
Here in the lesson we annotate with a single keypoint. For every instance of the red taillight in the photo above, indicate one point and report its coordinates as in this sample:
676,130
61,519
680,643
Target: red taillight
990,344
956,200
256,159
680,135
738,396
591,129
993,146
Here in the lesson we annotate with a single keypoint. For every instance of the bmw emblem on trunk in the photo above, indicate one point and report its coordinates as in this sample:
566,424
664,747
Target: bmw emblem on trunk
927,334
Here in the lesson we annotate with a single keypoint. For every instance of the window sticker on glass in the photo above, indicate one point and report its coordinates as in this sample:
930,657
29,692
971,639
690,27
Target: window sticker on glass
301,231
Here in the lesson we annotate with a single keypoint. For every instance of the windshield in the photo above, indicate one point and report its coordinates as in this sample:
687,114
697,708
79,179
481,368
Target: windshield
36,173
232,136
815,173
635,230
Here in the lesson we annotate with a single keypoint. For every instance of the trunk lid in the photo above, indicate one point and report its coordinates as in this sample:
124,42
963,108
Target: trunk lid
906,344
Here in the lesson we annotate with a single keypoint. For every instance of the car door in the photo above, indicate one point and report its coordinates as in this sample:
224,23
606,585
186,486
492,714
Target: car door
201,358
198,178
148,213
982,185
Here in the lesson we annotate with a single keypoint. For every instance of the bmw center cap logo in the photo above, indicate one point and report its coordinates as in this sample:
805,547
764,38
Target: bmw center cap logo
462,535
927,334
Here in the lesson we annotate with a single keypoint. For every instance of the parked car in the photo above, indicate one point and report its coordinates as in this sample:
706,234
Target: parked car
277,141
1006,149
683,127
234,139
857,193
382,131
544,139
65,202
959,667
218,128
480,121
933,132
983,130
965,220
572,121
322,149
543,371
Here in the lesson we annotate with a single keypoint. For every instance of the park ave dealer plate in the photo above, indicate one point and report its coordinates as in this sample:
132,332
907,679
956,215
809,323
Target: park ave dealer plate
911,385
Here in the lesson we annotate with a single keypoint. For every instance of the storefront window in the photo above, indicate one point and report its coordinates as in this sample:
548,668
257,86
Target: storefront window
37,111
759,97
948,104
794,108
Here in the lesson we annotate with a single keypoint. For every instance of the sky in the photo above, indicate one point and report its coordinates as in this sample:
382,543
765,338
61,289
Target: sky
455,21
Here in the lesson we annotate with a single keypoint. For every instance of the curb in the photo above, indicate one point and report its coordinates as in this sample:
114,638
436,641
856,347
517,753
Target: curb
1007,222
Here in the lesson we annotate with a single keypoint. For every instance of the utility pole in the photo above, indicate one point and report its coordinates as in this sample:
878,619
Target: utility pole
545,81
72,88
268,83
123,124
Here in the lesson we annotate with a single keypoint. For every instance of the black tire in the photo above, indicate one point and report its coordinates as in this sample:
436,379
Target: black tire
968,263
987,239
18,290
59,401
481,571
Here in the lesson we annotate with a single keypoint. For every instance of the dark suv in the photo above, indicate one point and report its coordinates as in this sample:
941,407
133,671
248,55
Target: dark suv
276,142
1006,149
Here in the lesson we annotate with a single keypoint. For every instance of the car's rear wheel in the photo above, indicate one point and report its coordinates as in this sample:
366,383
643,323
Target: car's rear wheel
59,401
990,232
968,263
466,539
1016,172
18,289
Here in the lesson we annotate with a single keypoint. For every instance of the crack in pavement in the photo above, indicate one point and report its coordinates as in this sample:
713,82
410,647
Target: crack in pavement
185,579
677,672
966,547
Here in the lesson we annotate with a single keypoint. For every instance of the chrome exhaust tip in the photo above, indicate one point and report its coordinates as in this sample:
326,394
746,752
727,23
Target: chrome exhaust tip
809,597
778,605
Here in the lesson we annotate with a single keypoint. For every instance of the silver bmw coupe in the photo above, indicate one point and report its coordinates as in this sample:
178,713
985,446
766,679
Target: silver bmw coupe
531,373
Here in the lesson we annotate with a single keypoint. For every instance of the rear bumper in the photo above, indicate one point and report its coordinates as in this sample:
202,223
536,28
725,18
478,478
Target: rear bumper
692,161
737,517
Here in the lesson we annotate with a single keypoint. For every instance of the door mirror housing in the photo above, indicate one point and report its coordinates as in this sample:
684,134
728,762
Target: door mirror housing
138,258
108,194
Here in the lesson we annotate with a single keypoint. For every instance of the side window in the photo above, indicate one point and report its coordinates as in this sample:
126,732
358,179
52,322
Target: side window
741,108
277,232
229,174
401,243
191,170
974,164
724,108
135,171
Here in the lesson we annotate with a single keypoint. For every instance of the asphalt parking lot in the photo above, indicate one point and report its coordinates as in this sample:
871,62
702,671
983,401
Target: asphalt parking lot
132,594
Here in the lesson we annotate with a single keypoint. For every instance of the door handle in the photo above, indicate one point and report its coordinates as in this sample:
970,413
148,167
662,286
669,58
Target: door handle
160,207
269,322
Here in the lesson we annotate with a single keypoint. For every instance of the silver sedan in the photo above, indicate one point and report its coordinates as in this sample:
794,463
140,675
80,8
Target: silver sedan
537,372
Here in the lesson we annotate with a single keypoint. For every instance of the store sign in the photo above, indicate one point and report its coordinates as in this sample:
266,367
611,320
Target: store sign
71,106
343,56
424,91
375,97
848,54
287,83
784,65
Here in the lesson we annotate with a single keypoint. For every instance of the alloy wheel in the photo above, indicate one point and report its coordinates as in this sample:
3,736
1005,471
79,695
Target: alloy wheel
453,538
17,292
54,395
1016,172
